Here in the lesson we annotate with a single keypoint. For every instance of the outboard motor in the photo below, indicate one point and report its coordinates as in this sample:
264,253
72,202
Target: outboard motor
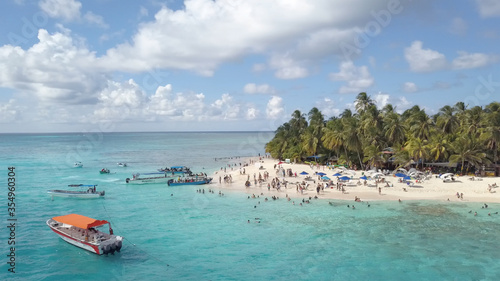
118,245
127,180
112,248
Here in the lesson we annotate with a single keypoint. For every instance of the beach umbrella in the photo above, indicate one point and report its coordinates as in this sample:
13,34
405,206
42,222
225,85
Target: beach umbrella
363,178
321,174
400,175
280,162
407,178
325,178
304,173
345,178
337,174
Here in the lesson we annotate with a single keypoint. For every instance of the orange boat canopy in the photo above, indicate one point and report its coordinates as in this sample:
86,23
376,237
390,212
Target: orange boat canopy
79,221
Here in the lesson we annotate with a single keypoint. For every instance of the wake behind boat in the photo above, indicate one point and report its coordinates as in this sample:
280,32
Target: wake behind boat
157,177
192,180
90,193
82,232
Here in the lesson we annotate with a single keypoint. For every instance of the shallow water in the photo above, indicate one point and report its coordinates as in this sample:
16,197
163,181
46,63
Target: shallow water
176,233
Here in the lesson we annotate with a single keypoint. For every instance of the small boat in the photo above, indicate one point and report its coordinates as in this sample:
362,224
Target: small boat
87,194
189,181
83,232
78,165
157,177
104,171
122,164
176,170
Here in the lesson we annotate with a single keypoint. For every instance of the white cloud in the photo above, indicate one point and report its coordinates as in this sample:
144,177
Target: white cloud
305,31
57,69
410,87
358,78
488,8
381,100
252,88
95,19
251,113
275,109
10,112
327,107
424,60
68,10
475,60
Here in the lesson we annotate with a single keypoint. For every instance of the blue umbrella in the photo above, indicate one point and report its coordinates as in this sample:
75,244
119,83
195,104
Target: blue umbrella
321,174
304,173
345,178
363,178
337,175
401,175
407,178
325,178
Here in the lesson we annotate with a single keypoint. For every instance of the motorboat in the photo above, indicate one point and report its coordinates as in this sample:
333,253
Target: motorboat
83,232
120,164
175,170
90,193
189,181
104,171
156,177
78,164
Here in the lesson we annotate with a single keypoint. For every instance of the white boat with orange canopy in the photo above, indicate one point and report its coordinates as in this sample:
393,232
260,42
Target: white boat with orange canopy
82,232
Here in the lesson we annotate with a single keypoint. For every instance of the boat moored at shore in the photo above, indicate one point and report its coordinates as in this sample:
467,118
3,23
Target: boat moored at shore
83,232
157,177
196,180
175,170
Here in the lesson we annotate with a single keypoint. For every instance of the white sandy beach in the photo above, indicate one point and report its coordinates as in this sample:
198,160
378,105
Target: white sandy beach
432,189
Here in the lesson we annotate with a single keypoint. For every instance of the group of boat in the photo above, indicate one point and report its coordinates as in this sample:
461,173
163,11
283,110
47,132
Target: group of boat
177,175
85,232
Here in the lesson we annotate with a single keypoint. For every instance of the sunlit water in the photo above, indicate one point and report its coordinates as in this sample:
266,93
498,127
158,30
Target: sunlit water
176,233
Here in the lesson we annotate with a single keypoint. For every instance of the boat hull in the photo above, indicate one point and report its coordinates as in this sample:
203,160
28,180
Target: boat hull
148,180
75,195
200,182
76,242
98,248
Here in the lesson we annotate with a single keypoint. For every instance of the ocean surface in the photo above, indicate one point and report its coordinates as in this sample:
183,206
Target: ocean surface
176,233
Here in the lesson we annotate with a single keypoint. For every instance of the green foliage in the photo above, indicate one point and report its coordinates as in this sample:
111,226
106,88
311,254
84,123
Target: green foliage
469,136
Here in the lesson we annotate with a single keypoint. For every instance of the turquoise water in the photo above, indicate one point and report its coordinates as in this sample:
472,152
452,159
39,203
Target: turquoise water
176,233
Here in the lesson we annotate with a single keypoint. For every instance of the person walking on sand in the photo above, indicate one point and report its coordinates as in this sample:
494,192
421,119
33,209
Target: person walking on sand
380,190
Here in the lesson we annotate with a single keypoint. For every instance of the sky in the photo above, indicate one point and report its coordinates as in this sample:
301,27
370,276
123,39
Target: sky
237,65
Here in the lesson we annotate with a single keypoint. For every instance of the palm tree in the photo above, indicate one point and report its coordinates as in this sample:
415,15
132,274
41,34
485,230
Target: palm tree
417,149
491,129
363,101
439,147
468,150
446,119
312,135
394,128
373,155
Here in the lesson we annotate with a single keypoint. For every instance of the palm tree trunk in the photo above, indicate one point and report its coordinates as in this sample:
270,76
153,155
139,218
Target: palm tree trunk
360,163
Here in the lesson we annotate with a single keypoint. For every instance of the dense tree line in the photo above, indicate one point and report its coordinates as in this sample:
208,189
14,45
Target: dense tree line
456,134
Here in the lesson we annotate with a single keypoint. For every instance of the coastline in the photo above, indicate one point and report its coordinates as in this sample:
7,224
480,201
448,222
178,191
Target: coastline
431,189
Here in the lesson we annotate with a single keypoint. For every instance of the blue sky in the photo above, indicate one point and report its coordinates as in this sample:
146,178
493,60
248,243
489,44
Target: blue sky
193,65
